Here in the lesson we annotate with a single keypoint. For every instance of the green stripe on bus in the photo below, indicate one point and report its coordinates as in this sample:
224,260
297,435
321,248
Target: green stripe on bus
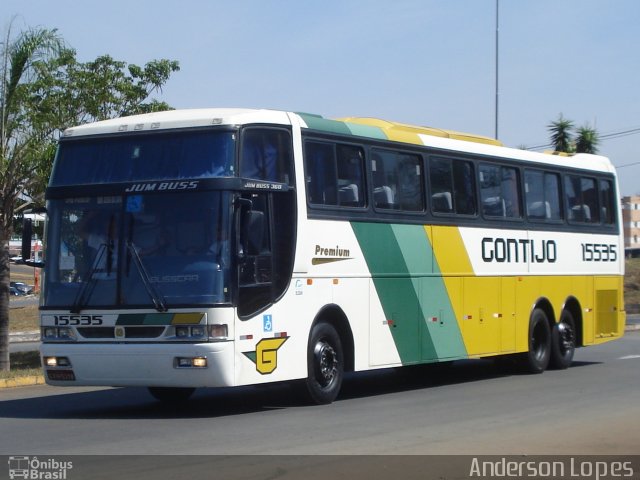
412,294
366,131
318,123
396,290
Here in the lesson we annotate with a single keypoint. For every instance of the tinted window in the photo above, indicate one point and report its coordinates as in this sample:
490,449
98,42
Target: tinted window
607,202
582,199
500,191
335,174
452,186
266,155
542,194
170,155
397,180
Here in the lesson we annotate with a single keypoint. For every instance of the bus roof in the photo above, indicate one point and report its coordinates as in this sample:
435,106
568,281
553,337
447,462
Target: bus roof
354,126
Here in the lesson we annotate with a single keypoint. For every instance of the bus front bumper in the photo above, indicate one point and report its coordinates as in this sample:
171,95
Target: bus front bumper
141,365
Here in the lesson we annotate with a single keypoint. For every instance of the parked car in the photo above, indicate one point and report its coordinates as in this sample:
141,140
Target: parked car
17,259
13,291
23,288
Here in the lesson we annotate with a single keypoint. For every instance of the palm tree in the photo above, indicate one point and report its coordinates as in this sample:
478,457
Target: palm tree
560,131
21,142
587,140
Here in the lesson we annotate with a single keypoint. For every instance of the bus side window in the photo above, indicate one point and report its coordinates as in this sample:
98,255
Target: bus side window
452,186
383,194
320,173
410,184
582,199
266,155
397,181
500,191
465,187
607,202
334,174
542,194
441,181
552,195
350,176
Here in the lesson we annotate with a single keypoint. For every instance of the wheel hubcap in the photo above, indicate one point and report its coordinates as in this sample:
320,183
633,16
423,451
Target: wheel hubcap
566,337
326,362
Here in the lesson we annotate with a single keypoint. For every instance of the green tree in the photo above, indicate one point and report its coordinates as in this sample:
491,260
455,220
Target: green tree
587,140
561,137
43,90
566,138
22,143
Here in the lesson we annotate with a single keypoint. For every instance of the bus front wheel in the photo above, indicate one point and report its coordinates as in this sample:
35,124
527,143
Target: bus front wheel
536,359
325,365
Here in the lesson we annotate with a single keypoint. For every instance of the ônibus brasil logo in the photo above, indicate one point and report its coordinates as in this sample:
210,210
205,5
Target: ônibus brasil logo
38,469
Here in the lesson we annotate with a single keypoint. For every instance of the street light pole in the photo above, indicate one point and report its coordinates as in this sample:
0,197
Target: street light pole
497,57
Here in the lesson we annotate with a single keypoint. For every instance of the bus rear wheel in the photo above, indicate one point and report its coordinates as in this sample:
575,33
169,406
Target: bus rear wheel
171,395
325,365
563,342
536,359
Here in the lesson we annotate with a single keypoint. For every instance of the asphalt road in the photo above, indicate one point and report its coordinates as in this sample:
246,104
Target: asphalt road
471,407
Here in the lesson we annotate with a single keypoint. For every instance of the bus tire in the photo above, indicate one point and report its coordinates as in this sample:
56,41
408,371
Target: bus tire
563,341
170,394
536,359
325,365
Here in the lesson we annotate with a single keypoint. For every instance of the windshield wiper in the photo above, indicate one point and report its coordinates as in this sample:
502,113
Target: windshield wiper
158,301
89,285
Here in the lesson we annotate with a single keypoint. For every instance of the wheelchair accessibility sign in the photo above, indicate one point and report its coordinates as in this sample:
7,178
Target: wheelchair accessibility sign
267,323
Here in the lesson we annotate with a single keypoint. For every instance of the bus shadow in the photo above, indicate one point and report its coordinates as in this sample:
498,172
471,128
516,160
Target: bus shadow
365,384
137,403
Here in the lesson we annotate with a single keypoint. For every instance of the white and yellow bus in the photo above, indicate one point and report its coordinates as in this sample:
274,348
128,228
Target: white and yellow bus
226,247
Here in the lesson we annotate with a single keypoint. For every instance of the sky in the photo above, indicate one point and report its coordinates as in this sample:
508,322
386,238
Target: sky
423,62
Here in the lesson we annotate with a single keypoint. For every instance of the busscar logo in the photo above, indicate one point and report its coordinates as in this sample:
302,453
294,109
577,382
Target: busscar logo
38,469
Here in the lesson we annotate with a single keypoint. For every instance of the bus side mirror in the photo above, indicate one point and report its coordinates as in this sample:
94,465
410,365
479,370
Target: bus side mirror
27,234
252,232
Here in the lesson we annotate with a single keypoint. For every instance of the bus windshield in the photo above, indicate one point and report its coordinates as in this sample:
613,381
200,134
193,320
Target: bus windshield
159,250
145,156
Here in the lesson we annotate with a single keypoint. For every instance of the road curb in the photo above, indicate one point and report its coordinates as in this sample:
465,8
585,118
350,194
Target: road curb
21,337
22,381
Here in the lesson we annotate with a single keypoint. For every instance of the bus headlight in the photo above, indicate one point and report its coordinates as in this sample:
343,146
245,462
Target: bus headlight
182,332
49,333
58,334
193,332
56,362
214,333
198,331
